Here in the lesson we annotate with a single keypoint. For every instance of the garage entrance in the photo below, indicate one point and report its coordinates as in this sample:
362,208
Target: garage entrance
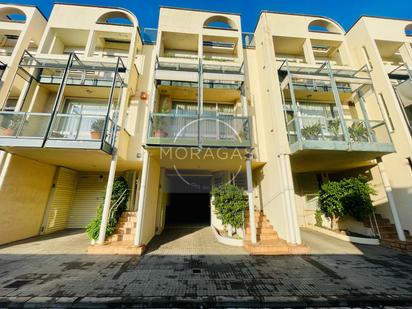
188,202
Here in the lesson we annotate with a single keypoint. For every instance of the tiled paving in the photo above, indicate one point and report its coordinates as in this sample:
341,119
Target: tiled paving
178,271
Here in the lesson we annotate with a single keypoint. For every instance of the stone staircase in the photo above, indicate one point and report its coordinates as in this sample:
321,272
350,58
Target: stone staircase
389,237
268,241
121,242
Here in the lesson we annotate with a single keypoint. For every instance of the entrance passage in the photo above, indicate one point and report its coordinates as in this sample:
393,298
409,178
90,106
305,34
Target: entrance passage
188,209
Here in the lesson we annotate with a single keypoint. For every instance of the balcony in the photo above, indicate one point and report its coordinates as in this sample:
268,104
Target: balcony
26,129
223,131
63,103
321,133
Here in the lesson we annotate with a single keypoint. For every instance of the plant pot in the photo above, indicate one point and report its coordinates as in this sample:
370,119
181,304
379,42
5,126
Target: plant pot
9,132
95,135
160,133
93,242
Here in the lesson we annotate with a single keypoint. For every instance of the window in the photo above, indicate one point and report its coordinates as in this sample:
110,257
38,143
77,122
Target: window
321,25
408,30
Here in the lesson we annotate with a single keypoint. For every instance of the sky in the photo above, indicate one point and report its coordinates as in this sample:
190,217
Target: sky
344,12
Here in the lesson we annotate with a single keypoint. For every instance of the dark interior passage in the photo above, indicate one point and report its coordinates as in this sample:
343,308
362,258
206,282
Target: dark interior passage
188,209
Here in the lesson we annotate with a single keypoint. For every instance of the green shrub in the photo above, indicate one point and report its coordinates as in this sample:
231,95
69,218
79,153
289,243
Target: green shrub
318,218
93,228
349,196
230,203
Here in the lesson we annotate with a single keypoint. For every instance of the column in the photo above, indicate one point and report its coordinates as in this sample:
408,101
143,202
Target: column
391,200
252,220
108,198
142,198
291,192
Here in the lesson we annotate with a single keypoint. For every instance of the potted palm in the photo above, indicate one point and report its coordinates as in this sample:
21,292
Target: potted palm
159,124
9,125
97,128
334,127
312,132
358,132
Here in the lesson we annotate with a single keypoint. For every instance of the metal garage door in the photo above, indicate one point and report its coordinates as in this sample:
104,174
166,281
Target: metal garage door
88,196
60,200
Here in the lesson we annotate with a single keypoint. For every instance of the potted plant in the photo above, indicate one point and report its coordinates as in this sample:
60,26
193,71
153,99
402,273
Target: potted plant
159,124
334,127
9,125
312,131
358,132
97,128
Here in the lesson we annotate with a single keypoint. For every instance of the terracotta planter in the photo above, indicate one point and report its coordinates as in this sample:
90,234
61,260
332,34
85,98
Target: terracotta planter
9,132
160,133
95,135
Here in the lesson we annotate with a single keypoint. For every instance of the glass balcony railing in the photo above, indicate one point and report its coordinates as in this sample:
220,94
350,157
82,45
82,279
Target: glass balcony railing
195,130
23,125
81,131
330,134
27,129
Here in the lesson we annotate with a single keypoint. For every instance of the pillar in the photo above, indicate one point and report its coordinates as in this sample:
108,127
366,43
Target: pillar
391,200
107,198
142,198
252,220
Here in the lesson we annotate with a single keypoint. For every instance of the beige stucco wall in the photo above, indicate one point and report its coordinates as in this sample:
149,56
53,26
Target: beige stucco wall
24,190
363,34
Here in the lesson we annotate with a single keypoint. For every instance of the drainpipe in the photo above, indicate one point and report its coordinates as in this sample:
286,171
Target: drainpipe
391,200
142,197
252,220
108,198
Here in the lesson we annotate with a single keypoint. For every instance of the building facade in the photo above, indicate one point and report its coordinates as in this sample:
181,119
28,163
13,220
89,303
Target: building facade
193,104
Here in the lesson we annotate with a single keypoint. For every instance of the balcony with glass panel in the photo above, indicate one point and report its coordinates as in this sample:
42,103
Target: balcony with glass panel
180,119
62,103
330,110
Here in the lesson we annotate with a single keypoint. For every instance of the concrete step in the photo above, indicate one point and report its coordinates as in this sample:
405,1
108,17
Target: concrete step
125,230
127,219
272,236
120,237
126,224
120,248
259,231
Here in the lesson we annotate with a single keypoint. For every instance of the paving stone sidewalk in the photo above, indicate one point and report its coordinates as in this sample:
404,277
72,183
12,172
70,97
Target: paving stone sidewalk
167,277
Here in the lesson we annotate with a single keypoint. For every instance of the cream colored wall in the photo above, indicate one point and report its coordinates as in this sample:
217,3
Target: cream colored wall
271,131
397,167
31,30
24,189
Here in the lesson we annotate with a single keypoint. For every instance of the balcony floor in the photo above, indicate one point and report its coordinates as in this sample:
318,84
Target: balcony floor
331,160
76,159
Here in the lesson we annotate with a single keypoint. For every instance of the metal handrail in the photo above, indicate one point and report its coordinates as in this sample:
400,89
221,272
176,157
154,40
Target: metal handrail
117,203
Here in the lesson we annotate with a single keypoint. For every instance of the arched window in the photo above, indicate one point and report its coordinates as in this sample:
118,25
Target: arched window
12,14
321,25
408,30
116,18
221,22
